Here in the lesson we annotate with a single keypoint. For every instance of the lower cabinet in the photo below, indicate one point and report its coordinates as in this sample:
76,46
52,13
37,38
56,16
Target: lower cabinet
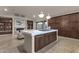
37,44
43,40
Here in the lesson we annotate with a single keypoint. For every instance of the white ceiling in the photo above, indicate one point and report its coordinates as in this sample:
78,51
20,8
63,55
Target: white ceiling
29,11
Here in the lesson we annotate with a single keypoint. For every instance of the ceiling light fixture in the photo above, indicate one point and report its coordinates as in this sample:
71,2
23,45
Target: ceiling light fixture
48,16
41,15
5,9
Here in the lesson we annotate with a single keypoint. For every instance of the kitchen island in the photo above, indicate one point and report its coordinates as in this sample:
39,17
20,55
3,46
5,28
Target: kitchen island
34,40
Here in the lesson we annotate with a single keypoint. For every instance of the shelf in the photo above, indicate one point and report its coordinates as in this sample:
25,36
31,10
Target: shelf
5,25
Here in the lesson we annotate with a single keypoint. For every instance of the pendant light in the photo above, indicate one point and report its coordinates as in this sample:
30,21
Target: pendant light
48,16
41,15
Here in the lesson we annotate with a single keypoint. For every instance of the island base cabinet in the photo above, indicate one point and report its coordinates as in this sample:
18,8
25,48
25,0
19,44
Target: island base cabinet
39,42
45,39
51,37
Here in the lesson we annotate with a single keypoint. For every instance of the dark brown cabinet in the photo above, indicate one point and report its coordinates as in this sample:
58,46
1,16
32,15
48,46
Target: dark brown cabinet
45,39
67,25
39,42
5,25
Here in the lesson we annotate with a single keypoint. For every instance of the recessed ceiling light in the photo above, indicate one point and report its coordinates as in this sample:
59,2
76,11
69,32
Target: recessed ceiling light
34,16
5,9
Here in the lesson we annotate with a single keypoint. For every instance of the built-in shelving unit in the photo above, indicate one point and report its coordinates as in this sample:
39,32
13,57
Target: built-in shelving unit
5,25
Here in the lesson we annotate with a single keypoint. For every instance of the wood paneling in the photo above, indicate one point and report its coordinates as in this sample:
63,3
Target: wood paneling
67,25
52,23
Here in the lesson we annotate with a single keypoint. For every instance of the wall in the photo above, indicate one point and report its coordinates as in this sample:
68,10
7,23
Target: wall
15,24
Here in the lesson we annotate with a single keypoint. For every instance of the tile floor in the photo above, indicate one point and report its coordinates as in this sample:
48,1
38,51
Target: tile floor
8,44
63,45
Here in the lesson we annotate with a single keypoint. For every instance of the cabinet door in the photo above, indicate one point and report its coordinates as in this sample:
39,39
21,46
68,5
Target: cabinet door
46,39
42,41
49,37
52,37
37,43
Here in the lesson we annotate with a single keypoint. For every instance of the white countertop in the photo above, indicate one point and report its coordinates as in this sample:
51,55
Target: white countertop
37,32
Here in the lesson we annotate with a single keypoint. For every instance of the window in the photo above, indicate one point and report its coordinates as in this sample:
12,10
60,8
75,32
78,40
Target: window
41,25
